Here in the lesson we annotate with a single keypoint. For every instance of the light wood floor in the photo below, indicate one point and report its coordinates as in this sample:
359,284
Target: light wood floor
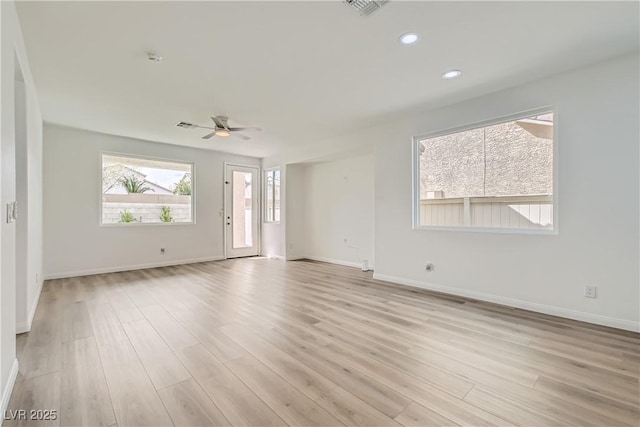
264,342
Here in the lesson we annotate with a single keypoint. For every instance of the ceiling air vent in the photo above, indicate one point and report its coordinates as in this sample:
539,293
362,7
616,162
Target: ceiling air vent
366,7
186,125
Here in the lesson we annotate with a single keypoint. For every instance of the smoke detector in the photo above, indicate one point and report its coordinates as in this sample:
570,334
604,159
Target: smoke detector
366,7
154,57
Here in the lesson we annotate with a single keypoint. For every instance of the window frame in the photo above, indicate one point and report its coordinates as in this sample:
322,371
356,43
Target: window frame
265,210
192,164
415,171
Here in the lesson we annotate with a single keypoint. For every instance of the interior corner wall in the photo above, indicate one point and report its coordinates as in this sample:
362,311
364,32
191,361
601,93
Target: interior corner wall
598,181
274,233
29,187
339,210
22,260
75,242
296,231
13,57
598,192
35,196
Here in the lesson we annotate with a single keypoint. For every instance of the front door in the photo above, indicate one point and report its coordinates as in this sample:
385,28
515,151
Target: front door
241,210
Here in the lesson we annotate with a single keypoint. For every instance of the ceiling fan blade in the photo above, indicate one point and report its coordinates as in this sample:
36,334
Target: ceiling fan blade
245,128
209,135
219,122
241,136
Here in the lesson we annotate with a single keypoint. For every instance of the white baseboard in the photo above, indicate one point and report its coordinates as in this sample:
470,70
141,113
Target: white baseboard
22,327
597,319
117,269
8,388
336,261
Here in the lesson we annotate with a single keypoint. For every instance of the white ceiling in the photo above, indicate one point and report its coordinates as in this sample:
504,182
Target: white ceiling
303,71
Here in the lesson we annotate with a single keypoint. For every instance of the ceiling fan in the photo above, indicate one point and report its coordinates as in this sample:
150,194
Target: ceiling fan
221,128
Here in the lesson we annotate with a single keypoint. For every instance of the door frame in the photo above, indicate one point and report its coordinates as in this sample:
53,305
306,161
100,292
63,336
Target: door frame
258,168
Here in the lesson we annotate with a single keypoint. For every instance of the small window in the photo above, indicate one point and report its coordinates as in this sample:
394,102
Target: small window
137,190
498,176
272,196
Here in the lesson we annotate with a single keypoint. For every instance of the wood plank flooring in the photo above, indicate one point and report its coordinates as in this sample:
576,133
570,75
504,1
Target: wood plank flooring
257,342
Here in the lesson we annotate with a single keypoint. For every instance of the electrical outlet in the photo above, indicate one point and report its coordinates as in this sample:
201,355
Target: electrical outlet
591,291
429,267
162,251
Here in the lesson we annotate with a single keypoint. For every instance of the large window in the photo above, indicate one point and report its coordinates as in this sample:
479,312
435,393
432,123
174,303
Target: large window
137,190
498,176
272,196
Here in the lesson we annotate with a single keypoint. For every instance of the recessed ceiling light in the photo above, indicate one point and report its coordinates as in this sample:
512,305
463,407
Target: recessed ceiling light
408,38
452,74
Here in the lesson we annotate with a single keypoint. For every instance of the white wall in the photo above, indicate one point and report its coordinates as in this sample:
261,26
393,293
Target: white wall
273,237
296,229
76,244
29,233
274,233
22,260
598,157
13,57
304,233
339,204
598,141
